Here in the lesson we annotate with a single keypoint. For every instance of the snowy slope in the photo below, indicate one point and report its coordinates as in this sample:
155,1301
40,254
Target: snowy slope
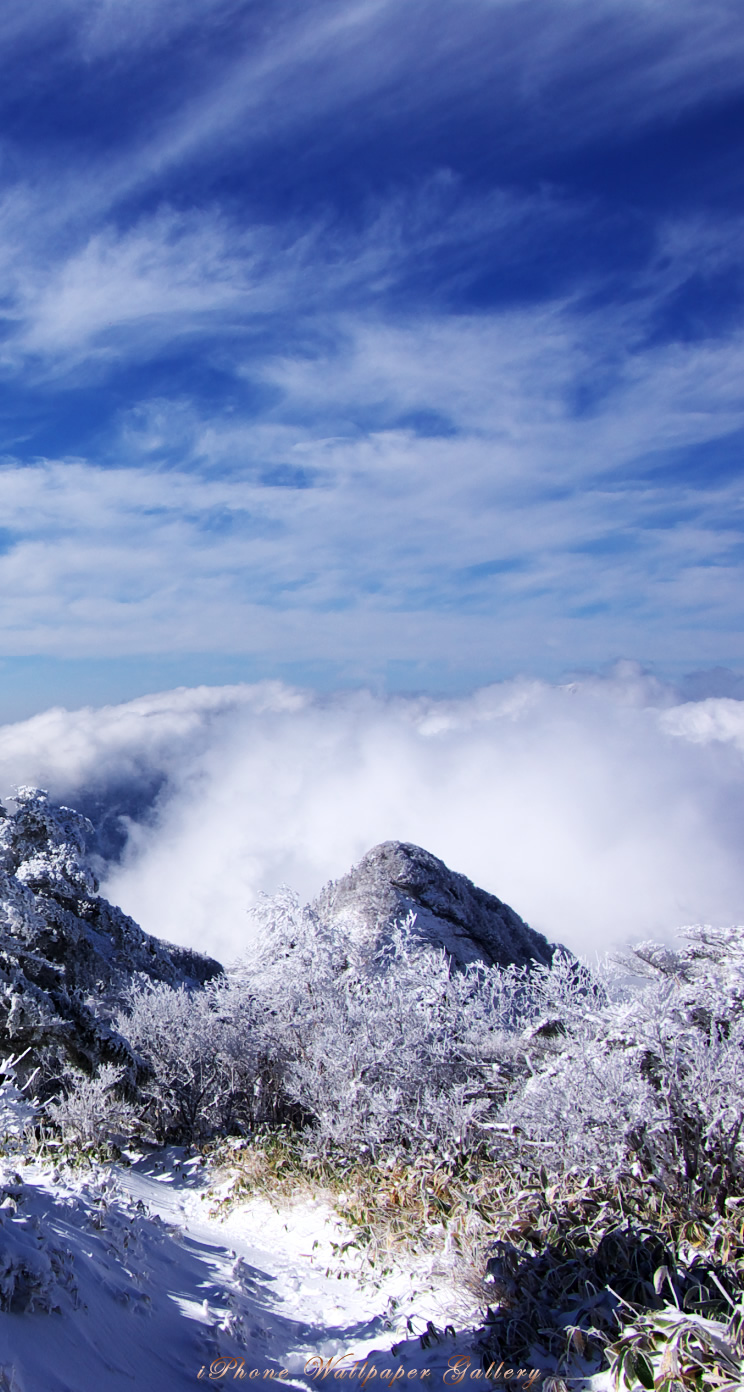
122,1277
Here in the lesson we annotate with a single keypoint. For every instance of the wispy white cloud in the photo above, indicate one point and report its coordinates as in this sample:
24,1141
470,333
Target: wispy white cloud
116,26
566,75
571,70
510,374
99,28
120,293
170,272
470,481
124,295
529,512
521,538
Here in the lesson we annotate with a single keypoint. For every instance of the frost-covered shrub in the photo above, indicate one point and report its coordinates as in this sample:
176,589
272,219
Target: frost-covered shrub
200,1049
647,1072
638,1063
397,1051
91,1109
17,1111
401,1051
45,847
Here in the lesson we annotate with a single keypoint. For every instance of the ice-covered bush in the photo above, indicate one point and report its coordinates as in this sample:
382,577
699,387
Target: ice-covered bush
398,1050
637,1063
17,1110
641,1064
91,1110
201,1051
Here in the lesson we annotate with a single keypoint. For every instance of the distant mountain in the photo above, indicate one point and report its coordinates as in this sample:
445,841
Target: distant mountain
396,879
67,956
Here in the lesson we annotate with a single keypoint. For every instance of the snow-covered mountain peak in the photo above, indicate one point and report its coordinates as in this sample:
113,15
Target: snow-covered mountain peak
396,880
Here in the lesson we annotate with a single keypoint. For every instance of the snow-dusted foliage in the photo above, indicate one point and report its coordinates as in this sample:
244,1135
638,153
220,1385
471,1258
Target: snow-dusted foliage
400,1051
44,846
637,1063
201,1050
91,1109
403,1051
645,1071
17,1112
67,956
368,1041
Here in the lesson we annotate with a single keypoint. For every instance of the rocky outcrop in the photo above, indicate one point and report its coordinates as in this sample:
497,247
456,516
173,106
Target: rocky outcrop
395,880
67,956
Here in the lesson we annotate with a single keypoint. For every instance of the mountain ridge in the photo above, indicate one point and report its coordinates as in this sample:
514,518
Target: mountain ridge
68,956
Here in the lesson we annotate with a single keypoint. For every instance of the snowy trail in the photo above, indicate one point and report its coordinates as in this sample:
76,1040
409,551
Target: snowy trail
123,1278
264,1257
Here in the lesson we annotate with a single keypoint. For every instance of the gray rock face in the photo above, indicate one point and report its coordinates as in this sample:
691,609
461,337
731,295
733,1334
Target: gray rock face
395,879
67,956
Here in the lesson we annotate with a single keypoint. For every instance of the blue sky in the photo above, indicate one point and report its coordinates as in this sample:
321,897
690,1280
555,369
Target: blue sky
368,342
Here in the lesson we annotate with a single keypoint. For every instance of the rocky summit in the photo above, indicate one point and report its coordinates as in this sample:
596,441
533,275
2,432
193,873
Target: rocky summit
396,880
67,956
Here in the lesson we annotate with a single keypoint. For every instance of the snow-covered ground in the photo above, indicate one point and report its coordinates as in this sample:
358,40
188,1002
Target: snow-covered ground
122,1277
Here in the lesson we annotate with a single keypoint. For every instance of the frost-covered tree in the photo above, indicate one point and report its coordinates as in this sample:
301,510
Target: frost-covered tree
633,1064
91,1109
403,1051
640,1064
399,1050
202,1057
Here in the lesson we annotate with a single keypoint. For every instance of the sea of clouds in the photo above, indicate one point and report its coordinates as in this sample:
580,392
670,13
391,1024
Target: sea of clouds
604,811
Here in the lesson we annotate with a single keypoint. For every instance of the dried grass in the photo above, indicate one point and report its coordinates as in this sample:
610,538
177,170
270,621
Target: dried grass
568,1268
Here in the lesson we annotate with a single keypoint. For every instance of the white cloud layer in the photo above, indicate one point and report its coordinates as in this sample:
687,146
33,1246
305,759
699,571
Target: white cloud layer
601,811
531,531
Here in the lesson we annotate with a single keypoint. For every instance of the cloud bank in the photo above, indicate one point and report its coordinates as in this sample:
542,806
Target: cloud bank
603,810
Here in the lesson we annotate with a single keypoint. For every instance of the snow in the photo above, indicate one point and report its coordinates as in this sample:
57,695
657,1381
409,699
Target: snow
128,1277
